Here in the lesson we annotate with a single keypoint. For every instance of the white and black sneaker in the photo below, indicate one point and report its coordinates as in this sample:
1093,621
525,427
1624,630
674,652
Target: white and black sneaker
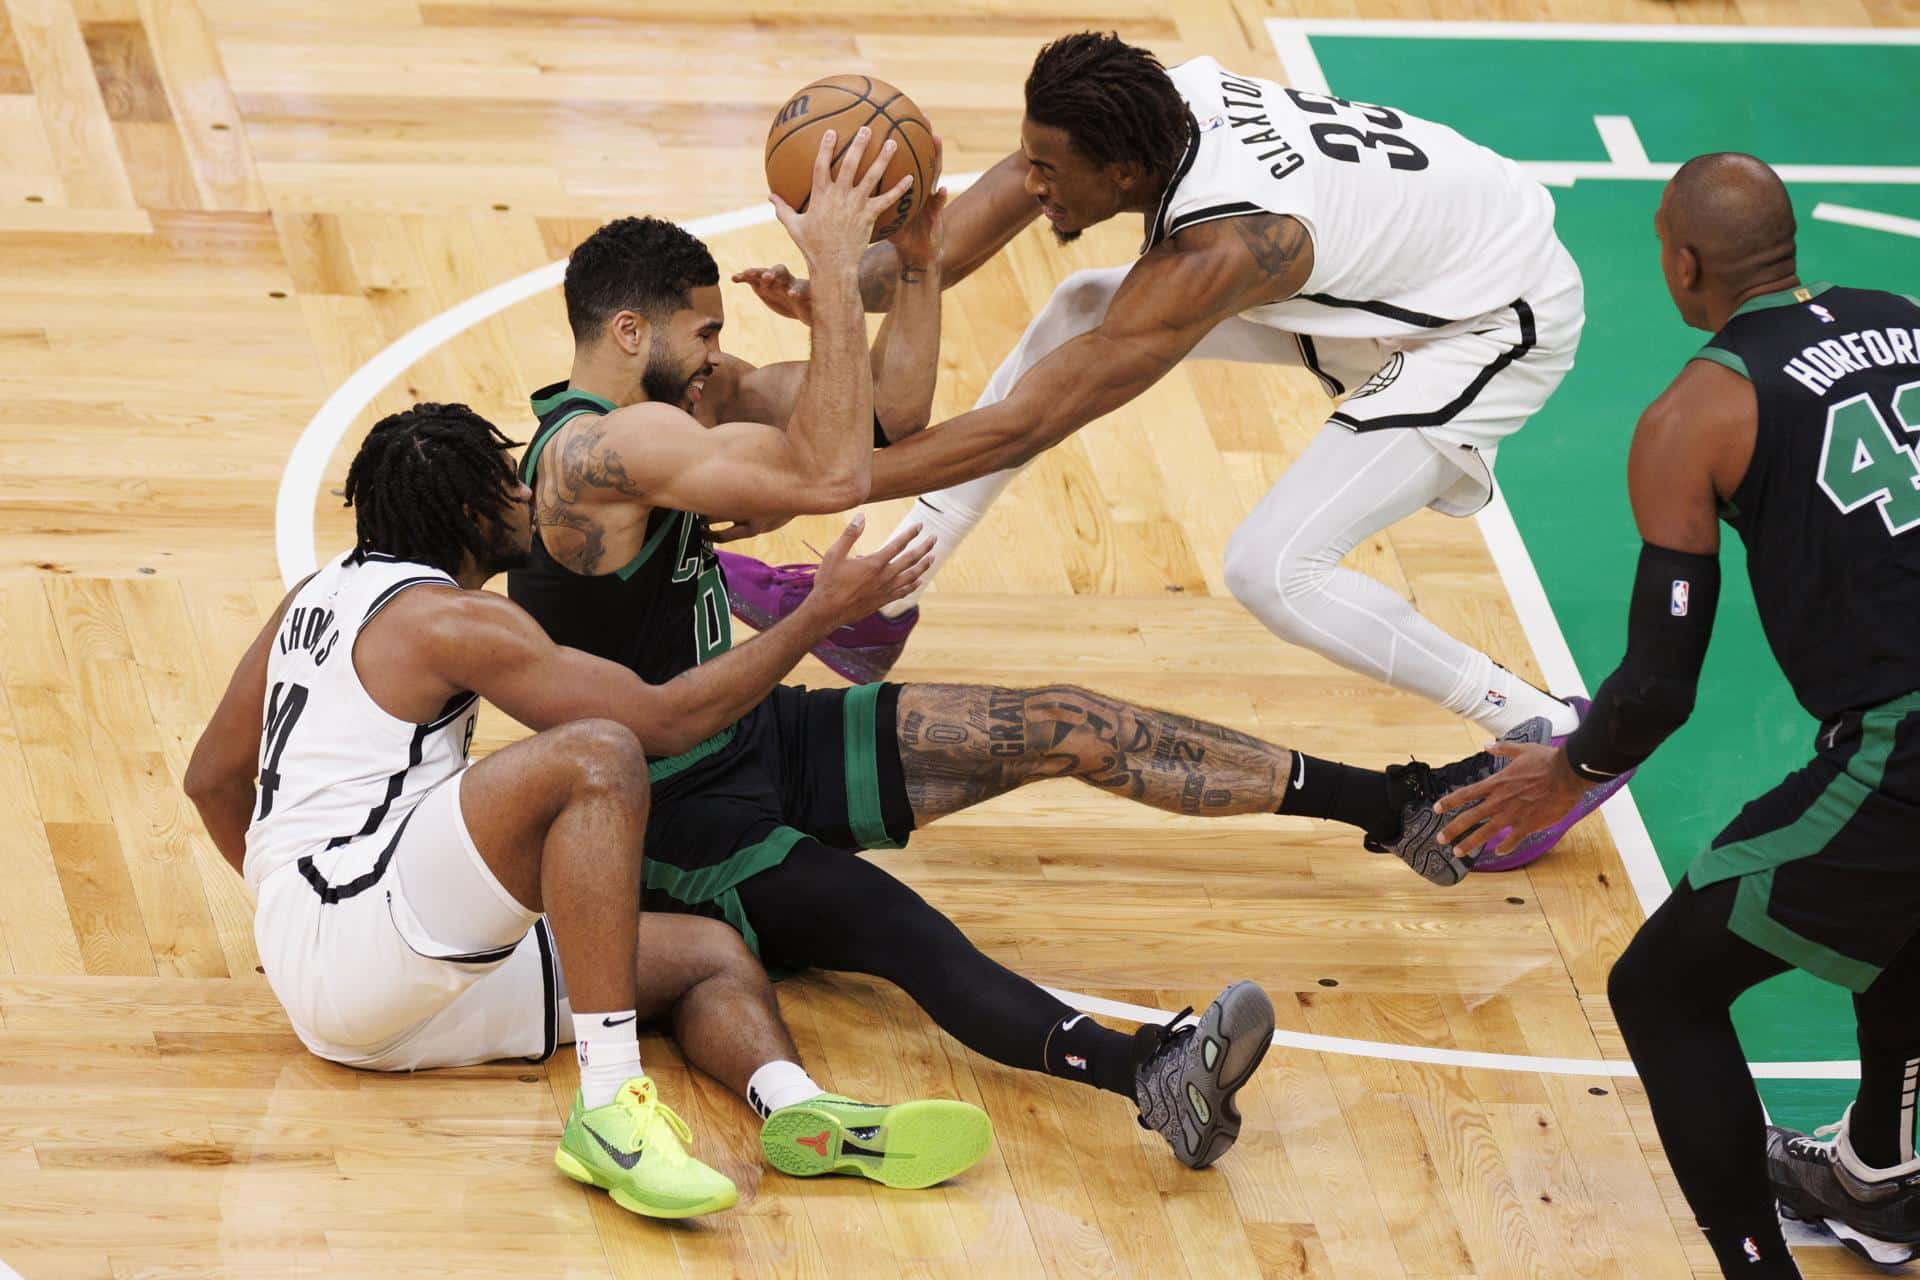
1416,786
1188,1074
1878,1219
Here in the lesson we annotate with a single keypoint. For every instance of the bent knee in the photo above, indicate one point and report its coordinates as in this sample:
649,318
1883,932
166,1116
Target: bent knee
603,754
1259,576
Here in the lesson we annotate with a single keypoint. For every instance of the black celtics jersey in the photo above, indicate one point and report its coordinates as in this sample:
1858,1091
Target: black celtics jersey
659,614
1830,507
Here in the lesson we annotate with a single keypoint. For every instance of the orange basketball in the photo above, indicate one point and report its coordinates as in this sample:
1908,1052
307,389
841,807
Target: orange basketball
844,104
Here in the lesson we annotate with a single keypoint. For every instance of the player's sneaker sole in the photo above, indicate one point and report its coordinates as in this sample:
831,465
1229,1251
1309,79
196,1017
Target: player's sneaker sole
634,1200
1886,1253
908,1145
1192,1094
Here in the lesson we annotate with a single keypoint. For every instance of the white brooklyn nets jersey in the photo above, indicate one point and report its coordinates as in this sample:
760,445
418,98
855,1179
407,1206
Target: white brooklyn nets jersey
1414,227
334,766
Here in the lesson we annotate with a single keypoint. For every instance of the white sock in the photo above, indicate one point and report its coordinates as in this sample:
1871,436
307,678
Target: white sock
608,1047
780,1084
1507,701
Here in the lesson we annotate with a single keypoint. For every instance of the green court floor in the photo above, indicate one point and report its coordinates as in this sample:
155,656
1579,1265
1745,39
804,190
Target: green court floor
1565,475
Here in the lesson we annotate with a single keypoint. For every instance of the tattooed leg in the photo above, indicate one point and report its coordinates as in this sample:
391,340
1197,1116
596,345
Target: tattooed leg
961,744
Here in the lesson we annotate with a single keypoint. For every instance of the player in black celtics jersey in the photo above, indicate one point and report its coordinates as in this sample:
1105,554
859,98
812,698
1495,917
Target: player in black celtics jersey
759,824
1794,424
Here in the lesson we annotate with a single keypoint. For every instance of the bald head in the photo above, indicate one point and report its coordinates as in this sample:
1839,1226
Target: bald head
1734,212
1727,229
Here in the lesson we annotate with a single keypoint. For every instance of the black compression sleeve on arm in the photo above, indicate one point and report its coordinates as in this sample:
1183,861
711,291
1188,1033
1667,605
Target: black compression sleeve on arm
1651,693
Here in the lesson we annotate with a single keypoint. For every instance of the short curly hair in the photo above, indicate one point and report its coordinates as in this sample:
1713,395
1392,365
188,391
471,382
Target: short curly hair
422,481
647,265
1116,102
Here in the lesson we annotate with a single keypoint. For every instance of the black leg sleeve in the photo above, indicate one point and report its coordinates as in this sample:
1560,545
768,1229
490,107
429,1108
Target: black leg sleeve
829,909
1672,991
1881,1128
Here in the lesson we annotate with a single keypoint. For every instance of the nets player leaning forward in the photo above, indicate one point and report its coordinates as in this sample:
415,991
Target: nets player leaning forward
1414,272
758,823
399,892
1791,425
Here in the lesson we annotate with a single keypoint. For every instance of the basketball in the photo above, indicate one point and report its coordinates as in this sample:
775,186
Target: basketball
844,104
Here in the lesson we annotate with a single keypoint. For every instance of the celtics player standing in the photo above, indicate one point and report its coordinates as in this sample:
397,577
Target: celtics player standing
1794,425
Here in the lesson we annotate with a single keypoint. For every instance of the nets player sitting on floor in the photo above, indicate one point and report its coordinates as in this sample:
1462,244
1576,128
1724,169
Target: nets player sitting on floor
1790,426
1414,272
400,891
758,824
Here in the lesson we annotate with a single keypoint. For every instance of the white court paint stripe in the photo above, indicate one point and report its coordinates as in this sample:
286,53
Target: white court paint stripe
300,489
1430,1056
1622,141
1867,218
1550,649
1676,34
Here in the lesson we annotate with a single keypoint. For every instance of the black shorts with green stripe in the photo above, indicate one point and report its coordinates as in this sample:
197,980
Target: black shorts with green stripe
1828,862
823,763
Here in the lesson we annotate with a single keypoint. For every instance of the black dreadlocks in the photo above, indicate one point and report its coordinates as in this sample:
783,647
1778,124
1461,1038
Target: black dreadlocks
422,481
634,264
1115,102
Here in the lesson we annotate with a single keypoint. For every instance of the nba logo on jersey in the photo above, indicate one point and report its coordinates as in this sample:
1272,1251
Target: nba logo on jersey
1681,590
1826,316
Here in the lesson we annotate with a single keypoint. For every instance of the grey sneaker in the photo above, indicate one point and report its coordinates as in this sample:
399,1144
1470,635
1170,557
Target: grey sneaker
1188,1074
1880,1221
1416,786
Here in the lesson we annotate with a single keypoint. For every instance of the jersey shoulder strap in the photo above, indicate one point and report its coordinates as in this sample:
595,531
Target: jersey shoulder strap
555,405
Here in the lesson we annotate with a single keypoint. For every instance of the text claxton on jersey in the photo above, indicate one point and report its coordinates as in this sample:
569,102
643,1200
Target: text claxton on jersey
1249,93
1820,365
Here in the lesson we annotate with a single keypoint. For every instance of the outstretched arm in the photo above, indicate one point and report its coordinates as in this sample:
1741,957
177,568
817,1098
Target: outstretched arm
1690,451
1170,300
906,353
483,642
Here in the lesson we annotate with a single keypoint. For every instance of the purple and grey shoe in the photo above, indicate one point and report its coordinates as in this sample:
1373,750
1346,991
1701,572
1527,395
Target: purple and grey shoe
1536,845
762,594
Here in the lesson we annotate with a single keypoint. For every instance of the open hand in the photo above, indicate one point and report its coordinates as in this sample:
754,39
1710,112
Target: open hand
784,293
842,207
1535,790
849,587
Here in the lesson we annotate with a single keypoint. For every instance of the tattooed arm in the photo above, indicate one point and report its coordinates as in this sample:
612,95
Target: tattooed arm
1170,300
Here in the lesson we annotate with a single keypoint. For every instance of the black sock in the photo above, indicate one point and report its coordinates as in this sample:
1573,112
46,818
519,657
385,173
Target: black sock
1881,1127
1755,1253
1874,1128
1078,1048
1328,789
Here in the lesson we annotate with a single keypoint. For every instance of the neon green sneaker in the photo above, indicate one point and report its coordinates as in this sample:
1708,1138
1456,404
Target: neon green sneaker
633,1148
913,1144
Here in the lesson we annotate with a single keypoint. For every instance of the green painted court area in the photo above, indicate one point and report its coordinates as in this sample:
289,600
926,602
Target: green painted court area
1565,475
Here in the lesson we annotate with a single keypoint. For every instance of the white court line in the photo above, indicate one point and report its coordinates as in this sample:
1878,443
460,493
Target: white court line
294,541
1867,218
1622,141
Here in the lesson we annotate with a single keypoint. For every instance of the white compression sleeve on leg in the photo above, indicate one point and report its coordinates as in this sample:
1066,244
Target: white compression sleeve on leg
1282,564
952,513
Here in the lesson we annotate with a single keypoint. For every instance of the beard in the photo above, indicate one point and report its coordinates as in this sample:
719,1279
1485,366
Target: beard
1064,237
662,381
504,551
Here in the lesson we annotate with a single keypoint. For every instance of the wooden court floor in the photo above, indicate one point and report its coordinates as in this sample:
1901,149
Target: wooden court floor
212,212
